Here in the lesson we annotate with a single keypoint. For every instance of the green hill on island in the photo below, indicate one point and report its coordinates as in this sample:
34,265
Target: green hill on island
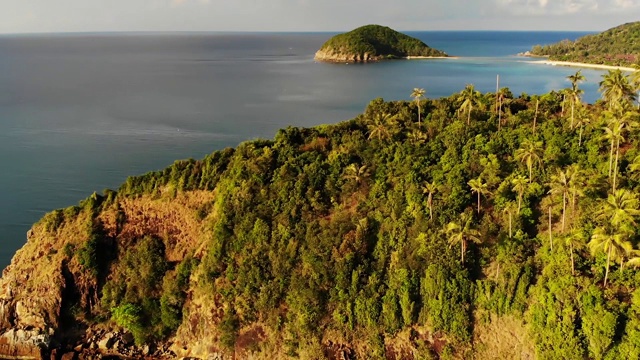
619,46
373,43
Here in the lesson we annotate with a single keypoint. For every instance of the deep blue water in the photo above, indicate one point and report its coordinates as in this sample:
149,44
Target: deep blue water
79,113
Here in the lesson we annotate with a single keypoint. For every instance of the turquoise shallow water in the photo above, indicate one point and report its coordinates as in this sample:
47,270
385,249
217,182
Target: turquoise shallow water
79,113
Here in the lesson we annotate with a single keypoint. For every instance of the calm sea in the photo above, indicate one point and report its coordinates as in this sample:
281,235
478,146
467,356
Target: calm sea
79,113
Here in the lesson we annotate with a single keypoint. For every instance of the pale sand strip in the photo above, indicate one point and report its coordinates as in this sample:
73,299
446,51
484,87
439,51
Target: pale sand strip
584,65
430,57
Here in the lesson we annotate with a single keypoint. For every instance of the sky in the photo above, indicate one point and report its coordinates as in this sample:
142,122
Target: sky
28,16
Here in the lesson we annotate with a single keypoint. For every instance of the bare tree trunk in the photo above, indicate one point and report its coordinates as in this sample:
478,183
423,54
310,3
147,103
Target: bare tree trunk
535,118
510,232
550,235
573,104
606,274
615,166
580,138
497,89
573,271
611,157
519,202
500,114
564,208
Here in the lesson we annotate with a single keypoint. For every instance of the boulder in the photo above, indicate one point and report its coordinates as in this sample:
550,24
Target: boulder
69,356
107,342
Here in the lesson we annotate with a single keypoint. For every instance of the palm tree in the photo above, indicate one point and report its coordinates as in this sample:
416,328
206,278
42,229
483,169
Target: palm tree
509,209
575,98
635,164
479,187
611,241
583,119
379,126
613,133
616,89
417,95
634,258
575,240
530,153
430,189
635,81
462,232
575,93
469,97
357,173
620,209
620,122
576,184
560,185
501,95
519,186
417,136
575,79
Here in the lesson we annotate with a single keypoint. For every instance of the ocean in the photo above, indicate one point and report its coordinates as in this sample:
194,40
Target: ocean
81,112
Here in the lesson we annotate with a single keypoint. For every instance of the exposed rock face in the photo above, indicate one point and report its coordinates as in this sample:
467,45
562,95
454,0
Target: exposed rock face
333,56
44,288
23,344
30,302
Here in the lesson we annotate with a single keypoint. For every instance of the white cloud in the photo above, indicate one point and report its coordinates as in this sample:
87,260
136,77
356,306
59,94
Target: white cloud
566,7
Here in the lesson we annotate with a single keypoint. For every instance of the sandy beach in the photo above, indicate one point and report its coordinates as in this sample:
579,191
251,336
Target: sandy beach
583,65
430,57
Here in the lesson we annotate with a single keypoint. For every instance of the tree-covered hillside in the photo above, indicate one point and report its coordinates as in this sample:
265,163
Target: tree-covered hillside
617,46
495,227
374,42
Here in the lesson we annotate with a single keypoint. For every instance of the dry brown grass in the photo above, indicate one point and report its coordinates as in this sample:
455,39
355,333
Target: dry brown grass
173,219
502,338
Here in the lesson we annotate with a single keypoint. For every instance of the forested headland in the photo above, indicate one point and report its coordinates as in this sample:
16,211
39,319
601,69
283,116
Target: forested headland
487,226
618,46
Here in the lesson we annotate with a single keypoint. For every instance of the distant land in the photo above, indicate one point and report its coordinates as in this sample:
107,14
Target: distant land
374,43
619,46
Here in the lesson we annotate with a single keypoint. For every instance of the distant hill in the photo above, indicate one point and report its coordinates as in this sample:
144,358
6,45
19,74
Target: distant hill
618,46
374,43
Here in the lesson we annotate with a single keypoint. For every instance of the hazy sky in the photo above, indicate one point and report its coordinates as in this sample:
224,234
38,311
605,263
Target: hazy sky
18,16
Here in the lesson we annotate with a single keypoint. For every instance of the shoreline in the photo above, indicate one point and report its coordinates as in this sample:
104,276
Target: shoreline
430,57
583,65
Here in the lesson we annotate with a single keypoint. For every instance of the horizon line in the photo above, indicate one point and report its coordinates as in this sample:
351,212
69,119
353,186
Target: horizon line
97,32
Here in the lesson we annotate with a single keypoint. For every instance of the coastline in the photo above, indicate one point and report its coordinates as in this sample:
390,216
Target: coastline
430,57
583,65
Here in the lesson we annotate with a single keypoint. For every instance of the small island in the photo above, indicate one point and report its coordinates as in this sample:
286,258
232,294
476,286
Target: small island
617,47
374,43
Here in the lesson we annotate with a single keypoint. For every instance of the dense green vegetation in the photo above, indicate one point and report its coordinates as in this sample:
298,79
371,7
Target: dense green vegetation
380,42
617,46
430,214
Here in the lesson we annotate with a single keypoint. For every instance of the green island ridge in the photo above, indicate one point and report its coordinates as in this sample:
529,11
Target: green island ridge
475,226
619,46
373,43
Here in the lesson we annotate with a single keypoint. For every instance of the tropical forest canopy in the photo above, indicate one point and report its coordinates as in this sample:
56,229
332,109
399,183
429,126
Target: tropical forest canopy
424,225
618,46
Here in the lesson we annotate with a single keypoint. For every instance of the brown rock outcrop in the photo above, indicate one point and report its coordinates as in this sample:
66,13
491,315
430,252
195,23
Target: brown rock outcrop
332,56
